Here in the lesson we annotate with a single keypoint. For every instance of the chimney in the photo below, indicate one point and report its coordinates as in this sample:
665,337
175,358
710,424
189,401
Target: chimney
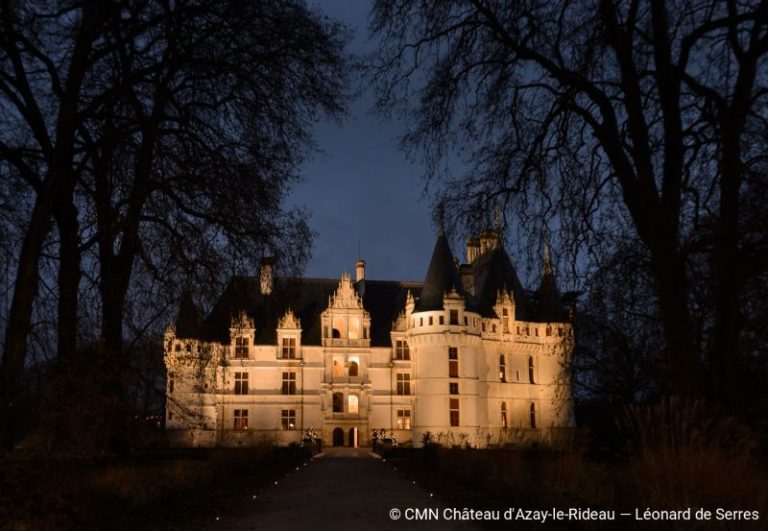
265,275
473,249
360,276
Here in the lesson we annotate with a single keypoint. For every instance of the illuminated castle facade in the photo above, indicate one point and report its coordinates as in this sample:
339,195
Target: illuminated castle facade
467,357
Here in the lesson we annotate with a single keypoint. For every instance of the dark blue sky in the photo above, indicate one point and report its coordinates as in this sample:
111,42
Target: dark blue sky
360,188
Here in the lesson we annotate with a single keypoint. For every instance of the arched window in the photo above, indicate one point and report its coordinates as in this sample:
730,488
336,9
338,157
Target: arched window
352,404
504,415
353,368
338,403
533,415
502,368
336,333
531,379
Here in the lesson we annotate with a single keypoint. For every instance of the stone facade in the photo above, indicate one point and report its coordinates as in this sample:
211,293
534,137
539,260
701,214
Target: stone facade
468,357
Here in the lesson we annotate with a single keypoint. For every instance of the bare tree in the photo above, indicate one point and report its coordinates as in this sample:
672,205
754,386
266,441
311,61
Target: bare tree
598,115
166,133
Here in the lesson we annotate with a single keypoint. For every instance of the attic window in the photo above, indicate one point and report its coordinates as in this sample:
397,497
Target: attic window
241,347
289,347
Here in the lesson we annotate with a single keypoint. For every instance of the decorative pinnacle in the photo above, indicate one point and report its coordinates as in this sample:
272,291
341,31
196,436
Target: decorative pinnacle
440,219
547,254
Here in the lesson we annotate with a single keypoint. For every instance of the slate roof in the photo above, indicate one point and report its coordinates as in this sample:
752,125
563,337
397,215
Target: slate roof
384,300
442,277
308,298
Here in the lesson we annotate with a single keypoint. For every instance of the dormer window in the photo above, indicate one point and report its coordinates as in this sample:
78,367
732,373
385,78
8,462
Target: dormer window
241,347
289,348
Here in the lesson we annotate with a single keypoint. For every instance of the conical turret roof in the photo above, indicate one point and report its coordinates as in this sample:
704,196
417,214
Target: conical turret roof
550,301
442,277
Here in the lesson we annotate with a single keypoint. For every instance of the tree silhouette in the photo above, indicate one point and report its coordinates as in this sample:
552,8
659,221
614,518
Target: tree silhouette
601,116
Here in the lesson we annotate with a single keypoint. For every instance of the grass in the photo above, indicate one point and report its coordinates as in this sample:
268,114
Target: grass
161,490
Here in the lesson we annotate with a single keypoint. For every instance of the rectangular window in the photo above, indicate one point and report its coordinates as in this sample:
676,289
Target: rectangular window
241,347
241,383
531,370
241,419
454,411
289,383
483,327
171,382
442,319
502,368
403,419
288,421
403,384
289,347
453,388
453,362
430,321
465,320
454,317
401,350
421,321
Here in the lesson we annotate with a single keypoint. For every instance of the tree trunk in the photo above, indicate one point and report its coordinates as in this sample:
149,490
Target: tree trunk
20,319
686,375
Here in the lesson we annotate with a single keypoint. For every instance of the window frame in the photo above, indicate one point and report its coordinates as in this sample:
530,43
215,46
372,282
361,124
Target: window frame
288,383
285,419
241,383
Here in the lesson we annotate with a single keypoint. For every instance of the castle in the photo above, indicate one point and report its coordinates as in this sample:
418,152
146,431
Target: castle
467,357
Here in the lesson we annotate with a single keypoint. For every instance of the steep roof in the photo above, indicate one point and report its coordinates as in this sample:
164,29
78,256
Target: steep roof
550,307
308,298
442,277
494,271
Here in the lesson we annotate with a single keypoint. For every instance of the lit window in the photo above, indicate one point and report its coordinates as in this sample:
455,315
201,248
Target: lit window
531,379
454,317
453,362
289,347
533,415
502,368
504,415
403,419
289,383
403,384
241,347
288,421
241,419
353,404
453,388
454,411
241,383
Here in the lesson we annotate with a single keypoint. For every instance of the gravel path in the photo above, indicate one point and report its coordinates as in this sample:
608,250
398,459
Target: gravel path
344,489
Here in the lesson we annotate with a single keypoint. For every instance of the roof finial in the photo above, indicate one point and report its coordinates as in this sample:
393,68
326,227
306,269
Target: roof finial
547,253
440,219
